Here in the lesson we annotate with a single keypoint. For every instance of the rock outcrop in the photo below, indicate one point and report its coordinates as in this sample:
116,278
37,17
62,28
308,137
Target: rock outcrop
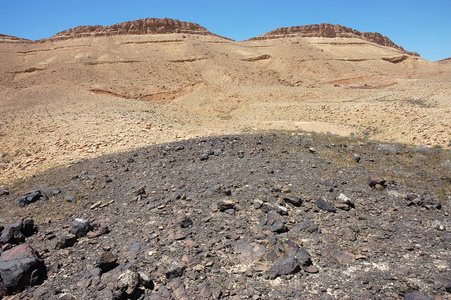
331,31
445,60
11,39
136,27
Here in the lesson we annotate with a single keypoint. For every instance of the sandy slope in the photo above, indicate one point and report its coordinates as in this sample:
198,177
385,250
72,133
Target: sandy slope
61,101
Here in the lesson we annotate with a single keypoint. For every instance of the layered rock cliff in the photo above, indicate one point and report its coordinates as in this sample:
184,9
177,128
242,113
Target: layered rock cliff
11,39
138,27
331,31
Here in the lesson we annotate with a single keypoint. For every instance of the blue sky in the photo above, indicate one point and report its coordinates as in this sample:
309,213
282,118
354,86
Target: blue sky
421,26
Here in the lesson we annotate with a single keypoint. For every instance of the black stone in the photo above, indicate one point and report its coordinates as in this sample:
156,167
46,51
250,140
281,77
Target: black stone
30,197
296,201
21,267
325,205
80,227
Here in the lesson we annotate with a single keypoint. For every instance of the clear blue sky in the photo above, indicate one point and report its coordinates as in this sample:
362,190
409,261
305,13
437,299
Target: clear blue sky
421,26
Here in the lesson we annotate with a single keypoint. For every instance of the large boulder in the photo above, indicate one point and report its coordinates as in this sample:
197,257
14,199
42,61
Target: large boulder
21,267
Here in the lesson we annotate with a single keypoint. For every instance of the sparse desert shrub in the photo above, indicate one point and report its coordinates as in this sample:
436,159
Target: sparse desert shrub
387,149
422,149
419,102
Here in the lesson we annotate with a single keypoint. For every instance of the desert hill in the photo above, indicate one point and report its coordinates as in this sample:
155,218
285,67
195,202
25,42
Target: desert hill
330,31
93,90
153,159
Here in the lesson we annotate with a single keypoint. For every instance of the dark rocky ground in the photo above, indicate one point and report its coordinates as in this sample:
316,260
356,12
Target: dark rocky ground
266,216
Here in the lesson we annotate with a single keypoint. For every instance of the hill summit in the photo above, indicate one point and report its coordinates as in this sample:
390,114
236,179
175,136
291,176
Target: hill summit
331,31
136,27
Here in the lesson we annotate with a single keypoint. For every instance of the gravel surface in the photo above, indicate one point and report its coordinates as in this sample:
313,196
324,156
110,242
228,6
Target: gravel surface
275,215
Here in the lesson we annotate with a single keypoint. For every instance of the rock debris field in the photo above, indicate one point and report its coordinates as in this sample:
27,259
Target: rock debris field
272,215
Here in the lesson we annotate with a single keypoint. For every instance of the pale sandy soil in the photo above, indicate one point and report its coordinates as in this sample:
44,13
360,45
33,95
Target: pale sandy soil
80,98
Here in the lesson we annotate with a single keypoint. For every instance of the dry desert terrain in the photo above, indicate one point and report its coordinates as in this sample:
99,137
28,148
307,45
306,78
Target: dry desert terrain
73,96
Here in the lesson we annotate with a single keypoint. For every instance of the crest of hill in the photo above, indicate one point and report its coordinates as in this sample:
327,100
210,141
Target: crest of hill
136,27
11,39
331,31
445,60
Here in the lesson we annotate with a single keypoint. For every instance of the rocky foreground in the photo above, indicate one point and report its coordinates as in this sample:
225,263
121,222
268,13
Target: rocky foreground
266,216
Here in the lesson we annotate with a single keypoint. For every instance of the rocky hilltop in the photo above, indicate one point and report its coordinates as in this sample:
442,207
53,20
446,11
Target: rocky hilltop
331,31
11,39
165,25
141,26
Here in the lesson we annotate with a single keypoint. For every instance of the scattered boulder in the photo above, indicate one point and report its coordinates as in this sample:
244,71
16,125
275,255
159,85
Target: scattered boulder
16,232
21,267
107,261
4,192
296,201
80,227
325,205
425,201
225,204
204,156
174,269
344,203
66,241
41,293
185,222
343,256
356,157
306,226
127,282
28,227
329,182
249,251
376,182
146,280
296,258
30,197
275,222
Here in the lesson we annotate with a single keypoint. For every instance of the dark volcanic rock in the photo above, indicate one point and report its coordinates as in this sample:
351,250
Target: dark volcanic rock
306,226
296,257
225,204
107,261
127,282
21,267
16,232
376,182
417,295
325,205
80,227
296,201
185,222
275,222
67,241
30,197
249,251
356,157
174,269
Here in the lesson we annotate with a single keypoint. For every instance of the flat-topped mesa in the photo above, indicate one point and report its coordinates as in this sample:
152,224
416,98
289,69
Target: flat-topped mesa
136,27
331,31
11,39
